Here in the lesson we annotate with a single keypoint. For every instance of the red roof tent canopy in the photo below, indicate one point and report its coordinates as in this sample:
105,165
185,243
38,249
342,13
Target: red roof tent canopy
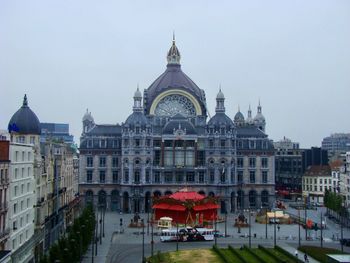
183,196
205,207
168,206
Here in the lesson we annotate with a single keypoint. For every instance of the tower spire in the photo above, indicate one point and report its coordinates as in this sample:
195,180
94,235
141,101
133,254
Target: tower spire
220,99
25,101
173,56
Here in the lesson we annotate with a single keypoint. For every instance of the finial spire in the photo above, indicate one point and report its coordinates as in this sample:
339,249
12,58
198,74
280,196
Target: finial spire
173,56
25,101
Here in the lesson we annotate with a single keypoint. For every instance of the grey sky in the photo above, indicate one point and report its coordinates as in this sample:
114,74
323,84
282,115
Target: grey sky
72,55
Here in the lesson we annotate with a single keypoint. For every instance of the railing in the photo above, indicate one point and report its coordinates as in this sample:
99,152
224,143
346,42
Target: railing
3,206
4,233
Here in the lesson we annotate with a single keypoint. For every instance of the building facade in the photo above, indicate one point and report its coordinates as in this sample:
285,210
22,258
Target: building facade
337,143
168,143
43,188
4,192
316,180
288,167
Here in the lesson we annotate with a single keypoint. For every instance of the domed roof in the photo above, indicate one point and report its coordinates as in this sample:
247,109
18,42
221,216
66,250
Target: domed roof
239,117
219,119
220,95
137,117
137,93
88,116
259,117
173,78
24,121
179,122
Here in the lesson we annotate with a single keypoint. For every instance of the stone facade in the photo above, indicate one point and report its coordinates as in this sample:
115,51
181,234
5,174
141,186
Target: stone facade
168,143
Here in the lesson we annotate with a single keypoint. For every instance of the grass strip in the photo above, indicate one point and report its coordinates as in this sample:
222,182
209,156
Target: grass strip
289,255
319,253
238,255
220,254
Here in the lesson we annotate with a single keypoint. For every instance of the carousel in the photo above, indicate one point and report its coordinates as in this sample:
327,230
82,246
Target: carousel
186,207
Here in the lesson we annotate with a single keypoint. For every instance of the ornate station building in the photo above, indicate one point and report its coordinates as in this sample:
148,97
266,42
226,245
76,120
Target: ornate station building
169,143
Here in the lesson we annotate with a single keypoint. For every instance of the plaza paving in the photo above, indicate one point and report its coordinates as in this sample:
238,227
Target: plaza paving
127,246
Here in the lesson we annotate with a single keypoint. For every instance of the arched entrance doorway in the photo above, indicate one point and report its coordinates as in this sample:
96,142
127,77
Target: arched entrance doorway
265,198
126,208
233,202
136,201
115,200
223,207
102,198
89,197
252,199
240,199
148,202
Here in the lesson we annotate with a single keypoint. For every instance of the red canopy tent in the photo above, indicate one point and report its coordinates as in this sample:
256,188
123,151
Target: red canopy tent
186,207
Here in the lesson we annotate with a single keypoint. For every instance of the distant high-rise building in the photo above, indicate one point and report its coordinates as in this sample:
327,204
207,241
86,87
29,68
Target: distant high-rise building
337,142
288,164
55,131
314,156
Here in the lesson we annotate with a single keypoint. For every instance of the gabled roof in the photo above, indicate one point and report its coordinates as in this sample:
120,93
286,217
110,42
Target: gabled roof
318,170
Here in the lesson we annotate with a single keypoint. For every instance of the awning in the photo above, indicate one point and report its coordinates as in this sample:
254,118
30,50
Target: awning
177,208
205,207
161,206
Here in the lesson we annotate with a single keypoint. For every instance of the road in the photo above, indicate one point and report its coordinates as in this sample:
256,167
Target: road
127,247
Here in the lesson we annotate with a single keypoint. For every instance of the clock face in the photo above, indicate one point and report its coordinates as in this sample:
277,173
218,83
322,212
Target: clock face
174,104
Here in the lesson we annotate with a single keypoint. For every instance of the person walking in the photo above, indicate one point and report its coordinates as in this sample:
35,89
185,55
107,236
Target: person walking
296,253
306,259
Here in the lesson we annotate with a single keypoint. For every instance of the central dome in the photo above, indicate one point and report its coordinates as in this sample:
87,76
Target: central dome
173,78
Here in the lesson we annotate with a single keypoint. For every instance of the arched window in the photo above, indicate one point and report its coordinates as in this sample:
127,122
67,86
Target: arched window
252,198
265,198
102,197
89,197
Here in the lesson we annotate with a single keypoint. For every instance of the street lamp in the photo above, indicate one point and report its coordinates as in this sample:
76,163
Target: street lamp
305,210
321,231
215,233
225,223
274,228
250,228
104,212
101,225
148,216
152,241
341,227
143,241
299,242
177,232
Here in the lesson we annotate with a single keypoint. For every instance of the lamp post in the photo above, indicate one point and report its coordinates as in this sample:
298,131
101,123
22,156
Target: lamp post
148,216
321,231
152,241
215,233
177,233
266,221
299,227
96,232
305,219
225,223
274,228
101,225
143,241
103,228
341,228
250,228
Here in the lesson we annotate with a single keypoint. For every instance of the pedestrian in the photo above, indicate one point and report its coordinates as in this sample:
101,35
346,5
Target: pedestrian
296,253
306,258
278,228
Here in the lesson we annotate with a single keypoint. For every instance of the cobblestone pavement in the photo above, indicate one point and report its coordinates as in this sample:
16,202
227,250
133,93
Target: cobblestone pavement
127,246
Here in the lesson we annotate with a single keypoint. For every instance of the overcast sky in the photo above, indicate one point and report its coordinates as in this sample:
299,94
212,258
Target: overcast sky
72,55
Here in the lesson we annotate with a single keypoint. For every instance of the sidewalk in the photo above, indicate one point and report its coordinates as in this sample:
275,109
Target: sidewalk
102,249
291,250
